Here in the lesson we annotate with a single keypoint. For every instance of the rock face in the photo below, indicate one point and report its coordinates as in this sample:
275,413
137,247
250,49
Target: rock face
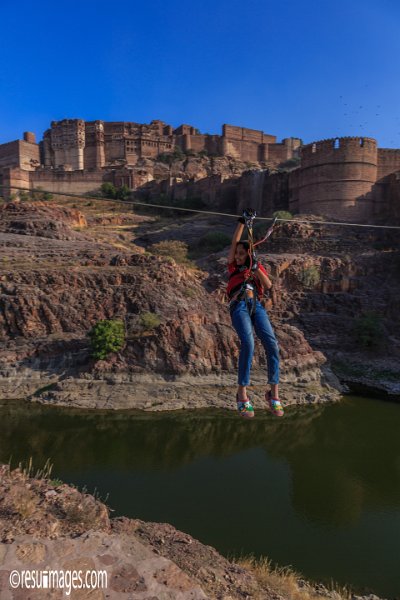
329,283
41,220
54,290
188,359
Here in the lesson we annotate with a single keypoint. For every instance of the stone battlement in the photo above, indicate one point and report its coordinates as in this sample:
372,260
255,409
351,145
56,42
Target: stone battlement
342,177
338,149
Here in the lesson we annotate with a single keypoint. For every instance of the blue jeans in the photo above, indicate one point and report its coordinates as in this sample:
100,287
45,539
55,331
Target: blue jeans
243,324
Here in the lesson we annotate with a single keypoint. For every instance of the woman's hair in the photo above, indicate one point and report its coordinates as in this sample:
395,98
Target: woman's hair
246,246
244,243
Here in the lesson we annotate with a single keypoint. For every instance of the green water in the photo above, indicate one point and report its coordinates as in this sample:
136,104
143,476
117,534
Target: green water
318,489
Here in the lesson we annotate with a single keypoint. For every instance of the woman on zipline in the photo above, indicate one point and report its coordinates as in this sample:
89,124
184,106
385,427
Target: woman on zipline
247,281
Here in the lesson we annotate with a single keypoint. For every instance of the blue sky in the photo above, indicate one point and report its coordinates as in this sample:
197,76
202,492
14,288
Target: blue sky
311,69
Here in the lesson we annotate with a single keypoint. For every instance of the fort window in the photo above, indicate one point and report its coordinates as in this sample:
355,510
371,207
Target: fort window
336,143
361,142
314,148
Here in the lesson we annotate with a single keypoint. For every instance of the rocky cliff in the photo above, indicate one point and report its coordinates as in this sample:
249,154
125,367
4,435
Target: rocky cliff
339,285
54,288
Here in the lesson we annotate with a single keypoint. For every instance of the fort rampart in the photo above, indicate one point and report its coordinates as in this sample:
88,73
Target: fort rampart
345,178
336,177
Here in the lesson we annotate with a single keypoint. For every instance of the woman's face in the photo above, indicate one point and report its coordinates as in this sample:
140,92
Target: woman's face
241,254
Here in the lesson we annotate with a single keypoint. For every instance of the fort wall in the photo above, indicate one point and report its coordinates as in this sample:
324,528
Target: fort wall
94,155
232,132
20,154
29,137
388,161
67,140
278,153
393,198
74,182
9,154
336,177
293,191
14,176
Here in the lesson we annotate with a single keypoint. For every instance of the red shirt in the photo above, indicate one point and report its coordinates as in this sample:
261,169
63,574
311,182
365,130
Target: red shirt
240,276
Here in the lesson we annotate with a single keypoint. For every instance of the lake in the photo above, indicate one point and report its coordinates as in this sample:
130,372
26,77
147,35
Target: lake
318,490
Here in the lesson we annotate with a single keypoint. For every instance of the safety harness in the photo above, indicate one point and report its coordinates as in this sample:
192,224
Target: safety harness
249,281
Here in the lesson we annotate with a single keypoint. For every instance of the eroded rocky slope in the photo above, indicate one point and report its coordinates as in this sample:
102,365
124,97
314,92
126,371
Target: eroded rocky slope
53,291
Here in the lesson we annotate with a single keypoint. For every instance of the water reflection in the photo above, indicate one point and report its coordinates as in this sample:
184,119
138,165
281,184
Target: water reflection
337,461
322,484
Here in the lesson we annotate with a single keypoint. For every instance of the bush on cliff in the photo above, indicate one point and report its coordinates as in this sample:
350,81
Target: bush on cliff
149,320
173,249
106,337
260,229
282,214
108,190
214,241
39,194
310,276
368,330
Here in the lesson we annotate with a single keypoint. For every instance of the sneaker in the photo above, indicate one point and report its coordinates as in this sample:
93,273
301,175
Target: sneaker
274,404
245,408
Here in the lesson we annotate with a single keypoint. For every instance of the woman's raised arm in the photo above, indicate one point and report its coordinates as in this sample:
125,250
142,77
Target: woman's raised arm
235,239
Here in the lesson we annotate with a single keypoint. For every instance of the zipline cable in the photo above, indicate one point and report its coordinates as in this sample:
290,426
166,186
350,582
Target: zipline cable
203,212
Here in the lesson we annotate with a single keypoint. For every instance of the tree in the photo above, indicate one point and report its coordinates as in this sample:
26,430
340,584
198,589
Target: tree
108,190
123,192
106,337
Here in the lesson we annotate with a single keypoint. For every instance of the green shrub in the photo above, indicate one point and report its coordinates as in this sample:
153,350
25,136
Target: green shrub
108,190
214,241
149,320
38,194
310,276
106,337
122,193
56,482
172,248
282,214
368,330
189,292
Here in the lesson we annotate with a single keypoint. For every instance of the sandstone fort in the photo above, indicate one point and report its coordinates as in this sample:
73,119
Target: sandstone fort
346,178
